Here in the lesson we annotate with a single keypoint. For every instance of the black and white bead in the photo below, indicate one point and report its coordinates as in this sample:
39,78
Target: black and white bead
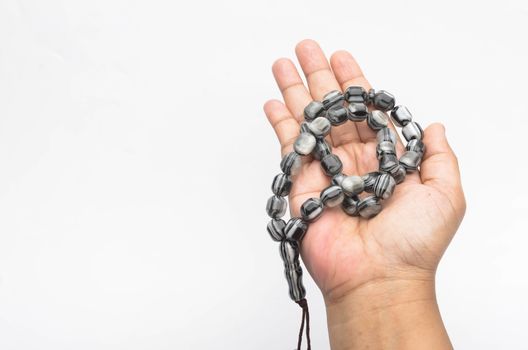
289,252
281,185
332,196
377,120
312,209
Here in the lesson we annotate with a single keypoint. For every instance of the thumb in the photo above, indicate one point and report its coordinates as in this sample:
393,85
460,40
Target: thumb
439,168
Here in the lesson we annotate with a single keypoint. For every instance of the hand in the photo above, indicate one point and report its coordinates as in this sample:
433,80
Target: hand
347,256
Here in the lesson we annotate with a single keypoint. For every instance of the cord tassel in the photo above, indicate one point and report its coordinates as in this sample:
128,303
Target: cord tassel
305,317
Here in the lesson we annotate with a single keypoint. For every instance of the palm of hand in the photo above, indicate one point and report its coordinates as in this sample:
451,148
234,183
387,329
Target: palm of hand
342,252
417,222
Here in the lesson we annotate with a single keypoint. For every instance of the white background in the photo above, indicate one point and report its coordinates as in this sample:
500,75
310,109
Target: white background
135,163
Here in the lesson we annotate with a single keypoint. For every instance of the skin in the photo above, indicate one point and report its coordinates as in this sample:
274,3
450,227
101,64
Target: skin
376,276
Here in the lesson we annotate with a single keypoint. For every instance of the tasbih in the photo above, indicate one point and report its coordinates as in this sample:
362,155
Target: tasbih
335,109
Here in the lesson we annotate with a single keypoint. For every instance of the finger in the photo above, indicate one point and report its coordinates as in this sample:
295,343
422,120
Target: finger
439,167
285,126
294,93
321,80
348,73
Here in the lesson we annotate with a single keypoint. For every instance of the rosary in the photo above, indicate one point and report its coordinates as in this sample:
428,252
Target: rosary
335,109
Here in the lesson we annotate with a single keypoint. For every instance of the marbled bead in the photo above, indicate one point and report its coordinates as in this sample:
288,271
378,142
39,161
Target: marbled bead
388,162
384,100
304,127
377,120
322,149
289,251
357,112
332,196
313,110
320,127
353,185
276,207
355,94
410,160
276,229
401,116
412,130
337,179
331,164
384,186
281,185
385,147
386,134
311,209
349,205
369,181
370,95
333,98
337,115
415,145
290,163
398,173
304,144
369,207
295,229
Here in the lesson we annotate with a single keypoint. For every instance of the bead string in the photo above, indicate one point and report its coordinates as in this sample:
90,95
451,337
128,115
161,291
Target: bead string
334,110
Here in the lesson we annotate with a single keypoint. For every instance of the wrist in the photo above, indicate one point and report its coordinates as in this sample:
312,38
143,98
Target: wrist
397,313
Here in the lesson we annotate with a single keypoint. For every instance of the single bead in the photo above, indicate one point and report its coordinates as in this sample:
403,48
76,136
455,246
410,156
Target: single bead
384,100
401,116
352,185
386,134
388,162
369,207
398,173
289,251
290,163
332,196
292,269
377,120
357,112
349,205
281,185
304,144
370,96
369,181
322,149
276,229
304,127
320,127
311,209
331,164
412,130
385,147
276,207
355,94
337,179
337,115
384,186
332,98
415,145
313,110
410,160
295,229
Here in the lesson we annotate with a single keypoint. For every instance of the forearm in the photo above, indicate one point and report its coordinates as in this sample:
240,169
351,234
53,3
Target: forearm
398,314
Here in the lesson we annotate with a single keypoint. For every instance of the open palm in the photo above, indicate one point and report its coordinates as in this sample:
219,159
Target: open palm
416,224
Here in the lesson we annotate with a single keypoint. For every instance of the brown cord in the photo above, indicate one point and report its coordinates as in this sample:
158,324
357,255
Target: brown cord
305,316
